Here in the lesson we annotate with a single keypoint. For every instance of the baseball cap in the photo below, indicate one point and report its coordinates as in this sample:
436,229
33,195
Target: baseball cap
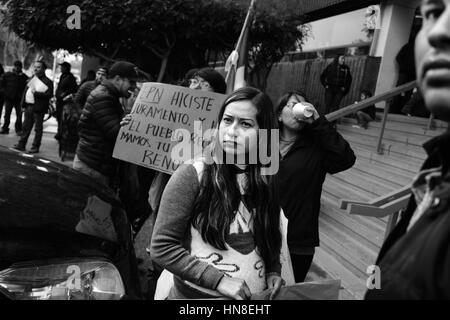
66,64
103,69
125,69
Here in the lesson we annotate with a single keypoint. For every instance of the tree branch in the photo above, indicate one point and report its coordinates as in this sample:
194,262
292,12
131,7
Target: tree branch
155,51
116,51
104,57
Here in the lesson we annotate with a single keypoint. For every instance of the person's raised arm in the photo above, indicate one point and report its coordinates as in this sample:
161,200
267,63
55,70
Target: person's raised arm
337,153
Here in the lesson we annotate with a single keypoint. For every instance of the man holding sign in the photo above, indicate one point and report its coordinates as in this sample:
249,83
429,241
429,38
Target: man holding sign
38,93
100,123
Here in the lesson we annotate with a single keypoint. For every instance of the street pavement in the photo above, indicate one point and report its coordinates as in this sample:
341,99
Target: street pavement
49,146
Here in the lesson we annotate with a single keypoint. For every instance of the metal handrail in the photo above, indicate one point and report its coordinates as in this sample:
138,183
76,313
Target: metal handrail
380,201
372,100
389,205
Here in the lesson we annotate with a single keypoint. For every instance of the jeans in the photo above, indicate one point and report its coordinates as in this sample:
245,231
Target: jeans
333,97
9,105
301,264
36,119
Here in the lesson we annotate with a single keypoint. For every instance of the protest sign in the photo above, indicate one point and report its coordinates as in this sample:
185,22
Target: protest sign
158,111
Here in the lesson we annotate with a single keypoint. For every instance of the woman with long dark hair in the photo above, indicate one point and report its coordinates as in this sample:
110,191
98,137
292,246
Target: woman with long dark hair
218,227
310,148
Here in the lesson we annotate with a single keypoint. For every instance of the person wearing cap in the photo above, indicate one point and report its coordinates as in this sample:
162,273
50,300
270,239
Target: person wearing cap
36,102
13,85
99,123
86,88
67,86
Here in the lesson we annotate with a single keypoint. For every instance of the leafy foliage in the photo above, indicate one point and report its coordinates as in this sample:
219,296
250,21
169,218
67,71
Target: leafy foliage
149,33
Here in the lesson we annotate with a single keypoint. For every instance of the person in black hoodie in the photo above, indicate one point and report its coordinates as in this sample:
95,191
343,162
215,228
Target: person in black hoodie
13,83
310,148
336,79
414,261
67,86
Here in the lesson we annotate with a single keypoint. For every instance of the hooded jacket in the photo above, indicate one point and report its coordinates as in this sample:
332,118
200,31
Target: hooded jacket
337,76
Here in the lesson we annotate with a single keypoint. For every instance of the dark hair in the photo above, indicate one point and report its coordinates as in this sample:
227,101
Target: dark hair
18,63
188,76
214,78
285,98
219,198
90,74
336,58
44,65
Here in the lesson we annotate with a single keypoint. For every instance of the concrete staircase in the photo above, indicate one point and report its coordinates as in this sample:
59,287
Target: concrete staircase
349,243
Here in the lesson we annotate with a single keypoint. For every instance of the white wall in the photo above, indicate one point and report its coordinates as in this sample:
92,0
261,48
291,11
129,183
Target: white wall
397,17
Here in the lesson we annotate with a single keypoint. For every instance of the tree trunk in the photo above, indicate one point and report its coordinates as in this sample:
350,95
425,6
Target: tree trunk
5,50
163,67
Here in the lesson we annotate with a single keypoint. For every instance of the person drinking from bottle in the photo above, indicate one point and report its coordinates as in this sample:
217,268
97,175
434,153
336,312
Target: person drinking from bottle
310,148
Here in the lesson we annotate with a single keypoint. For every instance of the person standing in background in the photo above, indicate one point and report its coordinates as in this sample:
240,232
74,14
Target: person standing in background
85,89
67,86
13,85
37,99
336,79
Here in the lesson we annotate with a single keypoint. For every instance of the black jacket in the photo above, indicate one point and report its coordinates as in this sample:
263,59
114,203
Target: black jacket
318,151
337,77
415,264
83,92
67,85
98,128
42,99
13,85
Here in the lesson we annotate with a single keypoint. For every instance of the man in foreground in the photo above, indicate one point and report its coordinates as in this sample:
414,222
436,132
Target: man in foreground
414,261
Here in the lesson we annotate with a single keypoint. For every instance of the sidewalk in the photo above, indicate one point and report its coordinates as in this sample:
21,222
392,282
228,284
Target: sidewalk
49,146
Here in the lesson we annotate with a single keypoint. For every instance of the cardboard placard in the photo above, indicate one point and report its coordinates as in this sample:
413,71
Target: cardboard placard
158,111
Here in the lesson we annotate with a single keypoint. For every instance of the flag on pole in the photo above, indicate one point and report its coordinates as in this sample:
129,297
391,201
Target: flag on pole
235,67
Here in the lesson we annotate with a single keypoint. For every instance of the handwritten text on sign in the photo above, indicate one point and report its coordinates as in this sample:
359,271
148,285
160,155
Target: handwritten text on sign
159,110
